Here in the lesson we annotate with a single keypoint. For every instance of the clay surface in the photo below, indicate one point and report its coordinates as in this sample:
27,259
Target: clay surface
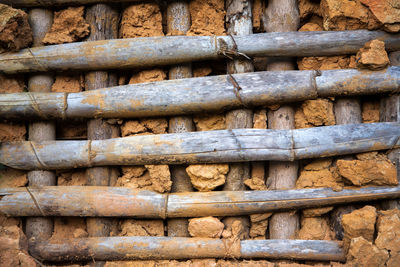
363,253
68,84
388,227
154,75
206,177
15,31
259,225
67,227
141,20
315,228
209,122
358,223
324,177
386,12
372,56
11,84
12,178
317,112
11,131
208,17
316,212
70,178
69,26
205,227
132,227
370,111
308,8
144,126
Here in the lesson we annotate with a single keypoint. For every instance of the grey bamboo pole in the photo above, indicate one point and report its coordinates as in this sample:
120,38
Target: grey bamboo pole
178,23
238,145
178,248
390,111
282,16
347,111
103,20
239,23
151,51
196,95
39,227
83,201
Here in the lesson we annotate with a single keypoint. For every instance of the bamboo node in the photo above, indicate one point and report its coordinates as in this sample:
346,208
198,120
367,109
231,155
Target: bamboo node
35,202
228,52
237,141
65,107
42,165
236,89
40,66
91,154
36,107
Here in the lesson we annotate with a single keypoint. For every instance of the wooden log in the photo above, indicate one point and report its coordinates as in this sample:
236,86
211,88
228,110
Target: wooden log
239,23
178,23
151,51
239,145
52,3
390,111
179,248
83,201
195,95
39,227
282,16
103,20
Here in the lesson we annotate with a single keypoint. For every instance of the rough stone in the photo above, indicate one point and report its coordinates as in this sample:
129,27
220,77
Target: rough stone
206,177
363,253
207,122
362,172
141,20
69,26
205,227
15,32
373,56
208,17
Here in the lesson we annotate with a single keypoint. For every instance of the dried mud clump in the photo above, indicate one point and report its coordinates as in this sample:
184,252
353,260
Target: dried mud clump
208,176
308,8
68,84
69,227
370,168
315,228
316,212
208,17
205,227
141,20
207,122
358,223
144,127
69,26
370,111
11,131
363,253
70,178
259,225
154,75
388,227
372,56
132,227
386,12
12,178
316,112
15,32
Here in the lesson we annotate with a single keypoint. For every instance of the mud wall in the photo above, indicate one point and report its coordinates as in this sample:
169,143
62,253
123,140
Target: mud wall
369,231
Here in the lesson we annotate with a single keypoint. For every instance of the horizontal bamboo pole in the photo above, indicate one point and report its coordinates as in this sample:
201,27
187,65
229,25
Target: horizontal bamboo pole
51,3
127,202
179,248
238,145
150,51
186,96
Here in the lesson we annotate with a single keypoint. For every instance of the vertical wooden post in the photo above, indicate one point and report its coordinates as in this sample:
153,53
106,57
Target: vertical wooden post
178,23
282,16
390,111
103,20
239,22
347,111
40,21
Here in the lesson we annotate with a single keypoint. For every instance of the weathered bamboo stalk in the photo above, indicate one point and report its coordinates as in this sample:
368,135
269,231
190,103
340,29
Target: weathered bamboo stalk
282,16
150,51
239,145
38,227
239,23
196,95
103,20
178,23
83,201
390,112
178,248
52,3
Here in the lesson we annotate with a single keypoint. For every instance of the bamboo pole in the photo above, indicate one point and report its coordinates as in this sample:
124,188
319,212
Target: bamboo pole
282,16
83,201
196,95
239,145
151,51
40,21
52,3
178,23
390,112
103,20
239,23
179,248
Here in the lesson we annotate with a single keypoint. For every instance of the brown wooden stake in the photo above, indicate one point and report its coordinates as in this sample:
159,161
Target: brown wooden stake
390,111
239,22
103,20
40,227
178,23
282,16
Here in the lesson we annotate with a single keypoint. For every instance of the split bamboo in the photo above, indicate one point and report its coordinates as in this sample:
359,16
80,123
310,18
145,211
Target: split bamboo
282,16
196,95
239,145
40,21
83,201
178,23
179,248
151,51
239,23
